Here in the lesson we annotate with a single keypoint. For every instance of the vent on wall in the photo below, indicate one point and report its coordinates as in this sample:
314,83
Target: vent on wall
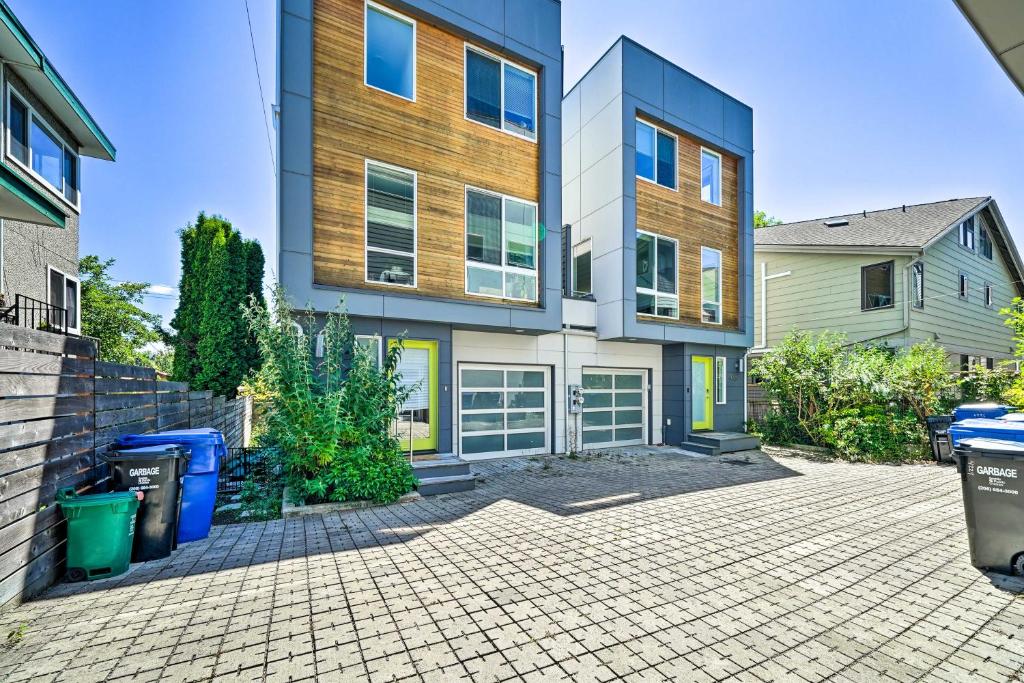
836,223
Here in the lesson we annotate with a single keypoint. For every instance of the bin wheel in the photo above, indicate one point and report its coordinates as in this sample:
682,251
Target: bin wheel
76,574
1018,565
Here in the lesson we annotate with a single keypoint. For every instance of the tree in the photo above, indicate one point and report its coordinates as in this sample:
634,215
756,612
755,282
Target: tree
213,347
111,312
763,220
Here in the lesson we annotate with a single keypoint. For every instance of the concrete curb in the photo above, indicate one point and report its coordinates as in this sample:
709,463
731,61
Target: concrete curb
289,511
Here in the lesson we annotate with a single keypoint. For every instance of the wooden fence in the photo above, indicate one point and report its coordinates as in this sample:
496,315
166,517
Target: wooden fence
60,410
758,403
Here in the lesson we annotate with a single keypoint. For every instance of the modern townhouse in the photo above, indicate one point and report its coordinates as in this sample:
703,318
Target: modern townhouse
940,272
421,184
46,132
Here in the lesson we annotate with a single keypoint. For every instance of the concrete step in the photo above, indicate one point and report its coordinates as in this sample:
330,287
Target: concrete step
444,467
699,448
727,442
438,485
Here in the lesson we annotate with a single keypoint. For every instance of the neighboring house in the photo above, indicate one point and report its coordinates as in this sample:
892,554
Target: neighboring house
425,153
938,272
1000,25
46,131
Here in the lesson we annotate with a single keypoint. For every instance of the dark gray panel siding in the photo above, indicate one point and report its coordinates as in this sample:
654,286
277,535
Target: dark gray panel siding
677,398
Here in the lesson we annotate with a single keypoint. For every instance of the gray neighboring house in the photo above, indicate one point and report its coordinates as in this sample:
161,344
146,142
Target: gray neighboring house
939,271
46,132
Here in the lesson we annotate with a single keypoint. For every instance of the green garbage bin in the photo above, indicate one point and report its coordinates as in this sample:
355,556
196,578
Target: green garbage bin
101,528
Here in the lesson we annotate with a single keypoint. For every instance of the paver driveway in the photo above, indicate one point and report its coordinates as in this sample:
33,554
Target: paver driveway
631,565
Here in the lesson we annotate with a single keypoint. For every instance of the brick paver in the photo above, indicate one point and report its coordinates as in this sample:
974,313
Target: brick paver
640,565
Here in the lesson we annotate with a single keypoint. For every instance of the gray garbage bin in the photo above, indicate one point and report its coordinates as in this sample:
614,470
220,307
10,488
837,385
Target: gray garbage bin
992,477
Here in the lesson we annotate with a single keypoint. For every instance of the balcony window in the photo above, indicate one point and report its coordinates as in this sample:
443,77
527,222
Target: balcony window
500,94
63,294
877,285
711,177
711,285
501,246
390,225
581,269
657,276
655,155
37,148
390,52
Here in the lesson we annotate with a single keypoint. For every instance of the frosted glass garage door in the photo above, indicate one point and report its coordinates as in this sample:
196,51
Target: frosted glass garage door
614,409
503,410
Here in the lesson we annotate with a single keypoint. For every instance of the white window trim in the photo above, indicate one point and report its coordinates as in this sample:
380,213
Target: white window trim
965,294
572,266
501,86
974,234
535,272
917,302
657,129
989,293
643,408
988,238
33,115
721,380
378,342
548,410
366,47
721,306
654,292
703,151
77,327
366,227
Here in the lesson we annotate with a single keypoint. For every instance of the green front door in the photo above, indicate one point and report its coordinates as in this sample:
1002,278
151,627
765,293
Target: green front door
703,382
417,421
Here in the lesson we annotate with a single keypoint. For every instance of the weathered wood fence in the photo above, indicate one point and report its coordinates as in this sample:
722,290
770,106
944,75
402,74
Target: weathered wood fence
60,410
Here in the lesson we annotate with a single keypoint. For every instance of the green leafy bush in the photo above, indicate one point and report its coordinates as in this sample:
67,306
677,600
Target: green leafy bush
776,429
329,417
874,434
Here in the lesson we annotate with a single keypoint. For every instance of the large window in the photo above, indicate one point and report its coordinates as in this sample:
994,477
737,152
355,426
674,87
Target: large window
877,285
390,51
917,283
656,276
63,293
501,246
655,155
967,233
500,94
711,285
985,243
711,176
33,144
581,282
390,225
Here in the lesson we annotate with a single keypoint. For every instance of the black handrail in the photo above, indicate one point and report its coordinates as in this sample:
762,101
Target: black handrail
36,315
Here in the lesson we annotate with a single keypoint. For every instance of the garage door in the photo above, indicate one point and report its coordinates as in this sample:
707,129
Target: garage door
614,407
503,410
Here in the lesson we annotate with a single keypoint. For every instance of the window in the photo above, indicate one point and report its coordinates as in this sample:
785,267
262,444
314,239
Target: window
33,144
656,276
988,295
390,225
390,52
501,246
964,286
967,233
876,283
63,294
985,243
500,94
581,285
720,379
371,344
711,177
655,155
711,285
917,284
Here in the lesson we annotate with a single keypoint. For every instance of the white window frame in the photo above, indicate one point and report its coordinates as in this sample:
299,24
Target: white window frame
962,232
366,47
415,226
963,286
654,292
378,342
548,410
718,180
721,305
917,297
34,116
502,61
589,245
721,380
77,327
989,295
643,408
675,166
516,270
984,235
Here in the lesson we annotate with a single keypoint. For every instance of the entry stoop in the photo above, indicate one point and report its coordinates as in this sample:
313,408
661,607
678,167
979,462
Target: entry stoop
722,442
447,474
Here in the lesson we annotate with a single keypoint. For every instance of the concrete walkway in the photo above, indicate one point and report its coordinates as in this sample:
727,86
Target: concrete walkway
644,564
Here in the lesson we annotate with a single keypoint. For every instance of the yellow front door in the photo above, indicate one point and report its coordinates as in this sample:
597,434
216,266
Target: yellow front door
417,421
703,383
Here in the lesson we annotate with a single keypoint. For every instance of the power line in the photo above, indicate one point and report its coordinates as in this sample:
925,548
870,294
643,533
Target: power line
259,82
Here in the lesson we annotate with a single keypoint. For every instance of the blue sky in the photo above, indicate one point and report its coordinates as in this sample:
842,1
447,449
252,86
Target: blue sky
857,105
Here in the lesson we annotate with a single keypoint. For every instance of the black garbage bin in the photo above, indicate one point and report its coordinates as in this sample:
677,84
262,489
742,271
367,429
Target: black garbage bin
938,436
991,473
157,472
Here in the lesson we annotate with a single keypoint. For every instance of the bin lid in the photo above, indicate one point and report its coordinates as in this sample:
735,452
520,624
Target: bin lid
982,406
93,499
993,446
1013,417
990,424
155,452
179,436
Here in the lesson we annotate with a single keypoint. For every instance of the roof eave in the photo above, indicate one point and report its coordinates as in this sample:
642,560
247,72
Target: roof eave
839,249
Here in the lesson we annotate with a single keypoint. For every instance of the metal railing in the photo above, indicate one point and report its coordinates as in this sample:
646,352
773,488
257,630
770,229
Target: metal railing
35,315
241,464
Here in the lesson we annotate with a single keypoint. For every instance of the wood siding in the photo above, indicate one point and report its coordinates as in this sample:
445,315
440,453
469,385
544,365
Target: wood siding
683,216
353,122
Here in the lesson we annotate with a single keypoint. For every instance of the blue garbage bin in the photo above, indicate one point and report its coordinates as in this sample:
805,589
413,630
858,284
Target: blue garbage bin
1013,417
206,448
985,428
980,410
